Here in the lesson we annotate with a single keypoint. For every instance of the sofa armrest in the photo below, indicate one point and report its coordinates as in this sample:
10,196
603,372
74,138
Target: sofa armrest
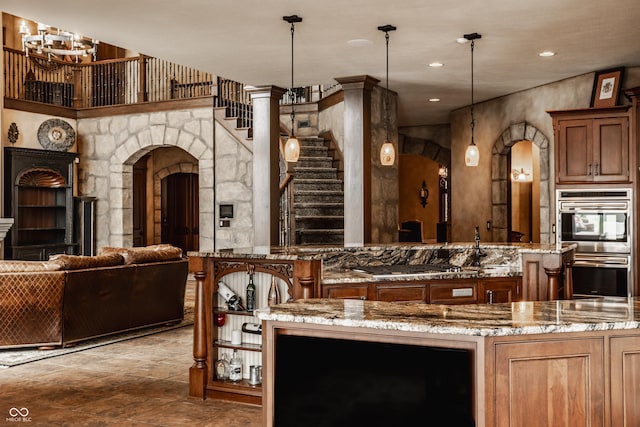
31,308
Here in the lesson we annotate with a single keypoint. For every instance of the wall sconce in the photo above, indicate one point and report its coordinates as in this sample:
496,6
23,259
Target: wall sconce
424,194
520,175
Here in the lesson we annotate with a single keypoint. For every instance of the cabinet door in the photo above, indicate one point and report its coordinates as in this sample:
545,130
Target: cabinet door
625,381
611,149
455,292
497,290
401,293
358,291
549,383
575,150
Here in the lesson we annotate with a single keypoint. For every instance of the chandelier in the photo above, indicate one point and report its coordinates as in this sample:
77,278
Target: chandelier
56,42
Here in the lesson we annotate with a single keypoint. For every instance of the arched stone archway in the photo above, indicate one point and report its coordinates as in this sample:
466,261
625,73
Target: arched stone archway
110,146
500,175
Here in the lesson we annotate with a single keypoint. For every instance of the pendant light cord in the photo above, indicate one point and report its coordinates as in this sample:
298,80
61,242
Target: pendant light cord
386,103
473,123
291,93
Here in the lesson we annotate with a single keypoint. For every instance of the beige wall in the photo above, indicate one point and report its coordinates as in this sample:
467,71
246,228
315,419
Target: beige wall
413,170
471,197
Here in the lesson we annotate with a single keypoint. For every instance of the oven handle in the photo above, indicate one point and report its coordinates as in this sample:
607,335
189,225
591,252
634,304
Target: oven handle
593,208
604,263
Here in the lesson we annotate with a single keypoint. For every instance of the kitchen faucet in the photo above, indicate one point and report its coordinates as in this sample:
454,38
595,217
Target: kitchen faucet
477,252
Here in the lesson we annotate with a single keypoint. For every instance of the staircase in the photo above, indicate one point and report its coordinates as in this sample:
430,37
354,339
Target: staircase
318,195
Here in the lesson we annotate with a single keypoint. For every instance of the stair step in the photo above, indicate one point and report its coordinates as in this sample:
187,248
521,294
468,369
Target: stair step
313,151
323,185
319,222
315,237
317,173
314,162
322,209
319,196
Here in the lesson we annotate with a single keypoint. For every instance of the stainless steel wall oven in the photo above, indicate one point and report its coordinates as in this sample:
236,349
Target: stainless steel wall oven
600,223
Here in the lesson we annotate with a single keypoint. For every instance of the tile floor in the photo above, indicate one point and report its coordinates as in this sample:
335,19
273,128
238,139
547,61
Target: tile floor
140,382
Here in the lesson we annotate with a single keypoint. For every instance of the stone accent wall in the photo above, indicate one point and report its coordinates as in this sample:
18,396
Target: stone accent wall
384,179
108,148
234,185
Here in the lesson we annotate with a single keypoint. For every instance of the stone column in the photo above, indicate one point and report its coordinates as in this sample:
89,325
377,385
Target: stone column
266,156
357,158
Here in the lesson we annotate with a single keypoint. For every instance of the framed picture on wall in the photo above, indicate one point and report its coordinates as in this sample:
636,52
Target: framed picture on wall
606,87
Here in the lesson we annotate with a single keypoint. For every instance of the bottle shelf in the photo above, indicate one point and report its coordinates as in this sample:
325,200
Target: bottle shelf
222,310
243,346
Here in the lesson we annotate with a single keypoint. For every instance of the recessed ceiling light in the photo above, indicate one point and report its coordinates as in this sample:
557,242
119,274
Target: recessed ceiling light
546,53
359,42
436,64
434,99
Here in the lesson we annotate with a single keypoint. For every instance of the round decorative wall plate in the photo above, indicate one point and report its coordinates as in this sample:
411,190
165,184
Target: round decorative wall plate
56,135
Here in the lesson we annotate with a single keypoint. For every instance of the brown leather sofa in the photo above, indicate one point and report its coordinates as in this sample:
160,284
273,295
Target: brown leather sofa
72,298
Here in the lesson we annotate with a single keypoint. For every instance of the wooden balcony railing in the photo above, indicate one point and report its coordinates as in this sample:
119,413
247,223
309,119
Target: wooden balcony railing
102,83
128,81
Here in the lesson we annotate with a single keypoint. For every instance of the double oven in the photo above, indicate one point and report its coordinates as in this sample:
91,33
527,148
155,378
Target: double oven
600,222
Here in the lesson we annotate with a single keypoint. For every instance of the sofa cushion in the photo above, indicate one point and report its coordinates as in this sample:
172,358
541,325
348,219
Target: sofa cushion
17,266
146,254
78,262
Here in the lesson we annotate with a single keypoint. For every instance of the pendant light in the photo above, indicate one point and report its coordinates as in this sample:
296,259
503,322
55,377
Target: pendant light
292,146
388,150
472,154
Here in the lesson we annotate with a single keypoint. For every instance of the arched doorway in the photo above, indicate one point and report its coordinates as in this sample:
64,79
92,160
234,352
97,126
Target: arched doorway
501,174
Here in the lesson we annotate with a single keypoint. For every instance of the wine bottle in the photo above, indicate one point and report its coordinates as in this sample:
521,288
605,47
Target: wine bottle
274,293
222,368
251,294
235,367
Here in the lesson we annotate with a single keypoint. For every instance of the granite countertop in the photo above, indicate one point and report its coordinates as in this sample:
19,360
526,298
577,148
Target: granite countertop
316,252
518,318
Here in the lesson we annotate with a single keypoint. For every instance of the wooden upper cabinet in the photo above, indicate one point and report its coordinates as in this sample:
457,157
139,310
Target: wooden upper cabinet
592,146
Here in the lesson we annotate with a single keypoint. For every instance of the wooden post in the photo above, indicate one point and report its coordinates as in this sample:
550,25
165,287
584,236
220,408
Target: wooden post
199,371
77,88
553,275
143,94
568,278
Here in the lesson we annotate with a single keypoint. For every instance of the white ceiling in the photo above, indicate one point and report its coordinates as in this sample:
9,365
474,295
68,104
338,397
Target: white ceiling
247,41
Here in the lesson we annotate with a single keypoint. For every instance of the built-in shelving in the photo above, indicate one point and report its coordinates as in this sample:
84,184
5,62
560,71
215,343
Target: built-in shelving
39,196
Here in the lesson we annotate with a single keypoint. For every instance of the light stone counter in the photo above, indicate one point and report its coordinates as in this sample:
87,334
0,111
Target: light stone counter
518,318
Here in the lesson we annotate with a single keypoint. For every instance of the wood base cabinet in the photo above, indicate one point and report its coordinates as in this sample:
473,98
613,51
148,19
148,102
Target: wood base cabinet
549,383
490,290
625,381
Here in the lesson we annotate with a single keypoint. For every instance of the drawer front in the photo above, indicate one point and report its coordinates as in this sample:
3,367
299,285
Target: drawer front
404,293
453,293
345,292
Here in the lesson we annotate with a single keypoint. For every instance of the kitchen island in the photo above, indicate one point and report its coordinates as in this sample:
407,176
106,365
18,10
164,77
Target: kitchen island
562,363
429,273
